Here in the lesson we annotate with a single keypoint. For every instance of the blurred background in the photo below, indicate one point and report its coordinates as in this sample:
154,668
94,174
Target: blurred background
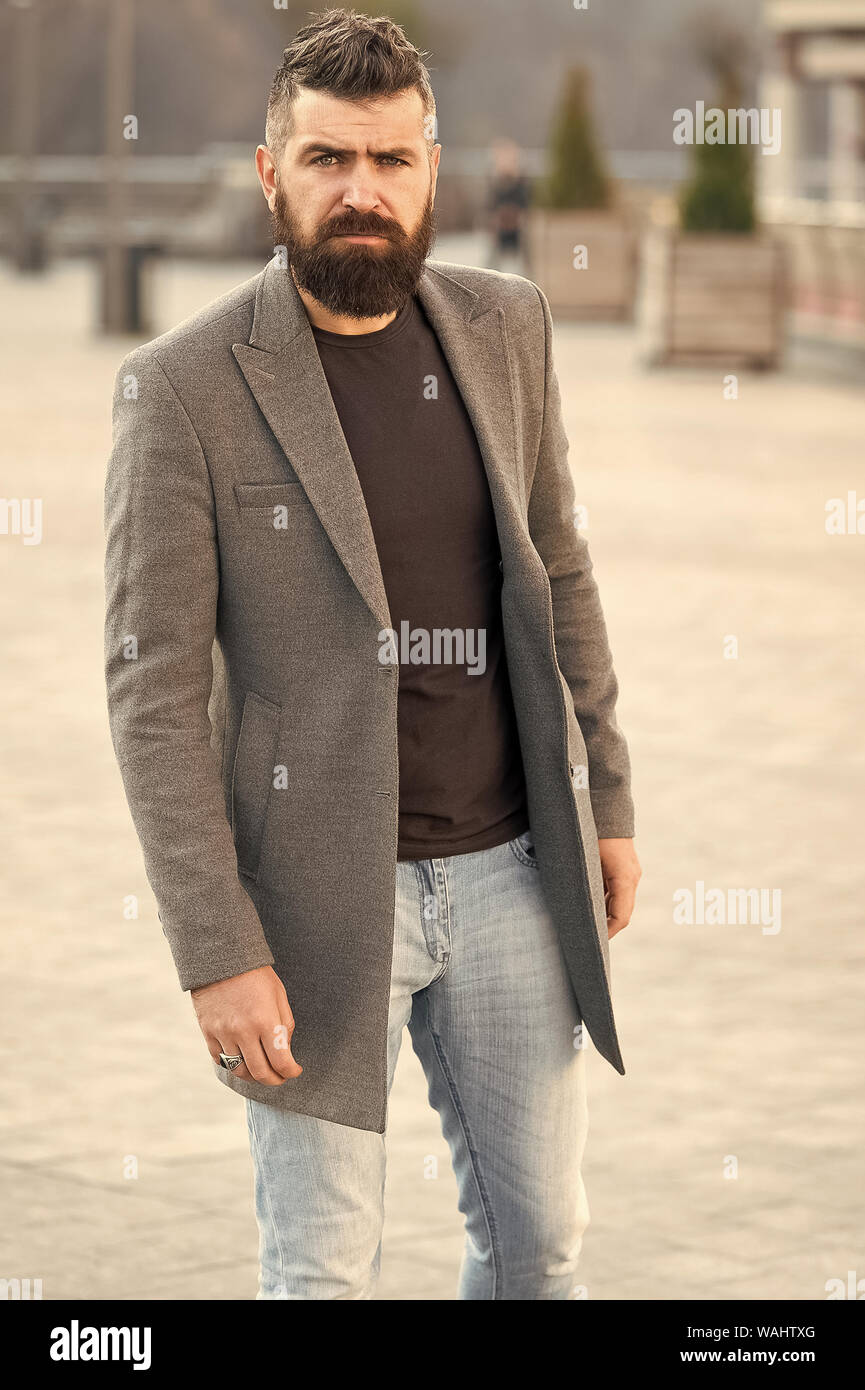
709,305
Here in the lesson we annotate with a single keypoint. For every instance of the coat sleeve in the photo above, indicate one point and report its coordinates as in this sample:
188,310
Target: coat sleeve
161,589
582,647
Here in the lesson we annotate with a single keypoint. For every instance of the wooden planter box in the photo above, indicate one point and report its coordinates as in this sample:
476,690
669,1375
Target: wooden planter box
709,298
606,288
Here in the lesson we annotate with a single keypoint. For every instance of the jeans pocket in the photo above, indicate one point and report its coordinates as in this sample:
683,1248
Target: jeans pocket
523,849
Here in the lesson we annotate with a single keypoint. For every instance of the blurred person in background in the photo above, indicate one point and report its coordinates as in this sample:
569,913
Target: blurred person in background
507,201
337,497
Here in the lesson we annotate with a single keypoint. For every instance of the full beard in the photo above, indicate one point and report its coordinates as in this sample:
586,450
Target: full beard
349,278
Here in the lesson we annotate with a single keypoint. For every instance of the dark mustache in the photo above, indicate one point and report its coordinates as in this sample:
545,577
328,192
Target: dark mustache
340,227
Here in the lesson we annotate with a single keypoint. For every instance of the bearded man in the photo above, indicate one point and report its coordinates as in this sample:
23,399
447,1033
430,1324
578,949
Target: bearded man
359,442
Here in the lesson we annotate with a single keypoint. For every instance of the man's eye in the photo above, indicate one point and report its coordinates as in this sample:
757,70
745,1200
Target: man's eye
391,159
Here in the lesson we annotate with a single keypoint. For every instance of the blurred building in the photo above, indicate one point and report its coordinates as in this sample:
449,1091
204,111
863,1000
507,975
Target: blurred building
813,190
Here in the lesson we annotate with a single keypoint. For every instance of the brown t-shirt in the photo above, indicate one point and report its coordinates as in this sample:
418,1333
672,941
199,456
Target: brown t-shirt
461,782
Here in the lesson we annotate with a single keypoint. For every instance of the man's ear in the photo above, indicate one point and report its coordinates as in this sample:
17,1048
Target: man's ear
434,159
265,168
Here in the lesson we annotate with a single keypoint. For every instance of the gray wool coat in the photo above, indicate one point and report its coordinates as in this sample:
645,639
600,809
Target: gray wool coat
253,724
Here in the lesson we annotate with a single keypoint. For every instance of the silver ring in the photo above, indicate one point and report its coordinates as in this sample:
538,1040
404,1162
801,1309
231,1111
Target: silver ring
229,1062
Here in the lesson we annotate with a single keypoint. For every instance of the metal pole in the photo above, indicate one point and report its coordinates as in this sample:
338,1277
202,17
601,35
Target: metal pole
119,309
27,243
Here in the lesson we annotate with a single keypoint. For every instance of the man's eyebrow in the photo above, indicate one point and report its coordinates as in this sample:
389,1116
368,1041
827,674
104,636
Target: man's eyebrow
320,147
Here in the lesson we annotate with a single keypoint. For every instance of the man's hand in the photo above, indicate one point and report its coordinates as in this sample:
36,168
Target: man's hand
249,1014
622,873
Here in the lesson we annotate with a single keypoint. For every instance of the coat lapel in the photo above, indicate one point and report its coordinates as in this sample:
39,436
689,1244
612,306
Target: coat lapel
475,343
283,371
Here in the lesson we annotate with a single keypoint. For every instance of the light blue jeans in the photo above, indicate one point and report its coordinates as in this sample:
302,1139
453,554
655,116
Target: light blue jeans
479,978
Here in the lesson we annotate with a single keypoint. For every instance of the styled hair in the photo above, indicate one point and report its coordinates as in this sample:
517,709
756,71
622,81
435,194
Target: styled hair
348,55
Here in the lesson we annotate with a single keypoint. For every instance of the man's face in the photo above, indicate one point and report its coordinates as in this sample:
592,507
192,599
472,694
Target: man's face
352,201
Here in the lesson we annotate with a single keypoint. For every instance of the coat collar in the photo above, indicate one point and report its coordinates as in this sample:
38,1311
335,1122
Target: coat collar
283,371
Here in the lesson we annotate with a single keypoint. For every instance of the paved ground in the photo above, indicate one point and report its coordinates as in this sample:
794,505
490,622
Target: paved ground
126,1174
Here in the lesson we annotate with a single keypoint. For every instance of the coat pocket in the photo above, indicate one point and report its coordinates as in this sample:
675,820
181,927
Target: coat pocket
252,778
269,494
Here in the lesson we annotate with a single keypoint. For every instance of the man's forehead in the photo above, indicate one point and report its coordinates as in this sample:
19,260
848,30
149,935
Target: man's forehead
377,120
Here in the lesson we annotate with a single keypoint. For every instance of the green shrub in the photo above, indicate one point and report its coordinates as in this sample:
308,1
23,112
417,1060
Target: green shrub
719,197
577,177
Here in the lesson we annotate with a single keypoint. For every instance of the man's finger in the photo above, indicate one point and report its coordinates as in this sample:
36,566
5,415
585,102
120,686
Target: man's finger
256,1065
231,1049
277,1045
620,907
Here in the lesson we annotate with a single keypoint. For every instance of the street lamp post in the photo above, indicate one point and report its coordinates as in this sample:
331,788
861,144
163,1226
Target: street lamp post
121,310
28,247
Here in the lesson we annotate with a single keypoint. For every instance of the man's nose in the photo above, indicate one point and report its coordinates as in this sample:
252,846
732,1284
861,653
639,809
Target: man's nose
360,197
